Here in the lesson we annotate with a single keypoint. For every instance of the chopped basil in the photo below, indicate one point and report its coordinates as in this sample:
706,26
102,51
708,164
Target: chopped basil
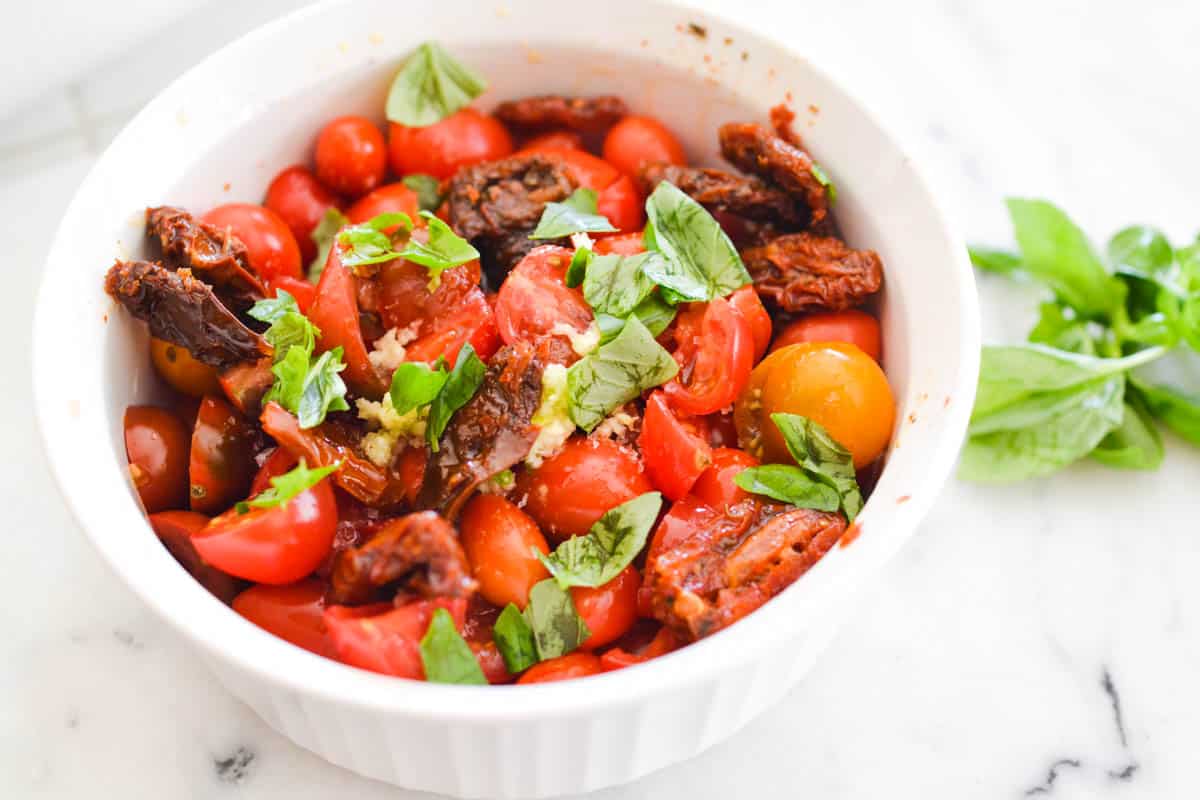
286,486
1002,262
271,309
445,249
460,386
367,243
556,625
514,640
653,312
428,189
446,656
1136,442
431,86
309,389
789,484
821,458
616,373
323,236
288,326
615,285
700,262
577,269
576,214
415,384
609,546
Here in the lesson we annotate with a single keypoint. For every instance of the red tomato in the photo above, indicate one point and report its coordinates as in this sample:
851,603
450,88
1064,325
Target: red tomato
563,668
621,244
174,529
674,456
245,385
609,610
573,488
411,469
621,202
270,245
273,545
300,201
335,313
746,301
557,140
491,662
387,640
499,540
351,155
465,137
384,200
636,141
280,460
156,445
534,298
294,612
716,362
456,312
715,486
221,465
303,291
471,321
663,642
588,170
853,327
617,196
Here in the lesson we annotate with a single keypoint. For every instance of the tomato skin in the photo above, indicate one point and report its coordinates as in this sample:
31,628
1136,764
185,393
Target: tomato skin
335,313
720,358
499,540
674,456
465,137
574,487
246,384
617,197
221,464
301,201
411,469
156,445
715,486
181,371
852,327
473,321
273,545
387,640
491,662
386,199
270,245
621,244
555,140
301,290
563,668
277,463
748,304
351,156
174,529
621,202
609,610
663,642
294,612
639,140
534,298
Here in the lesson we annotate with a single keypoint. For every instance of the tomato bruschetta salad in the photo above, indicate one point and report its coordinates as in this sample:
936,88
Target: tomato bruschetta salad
515,396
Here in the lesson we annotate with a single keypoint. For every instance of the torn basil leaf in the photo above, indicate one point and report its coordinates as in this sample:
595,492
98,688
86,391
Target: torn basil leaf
700,262
577,269
459,387
653,312
609,546
415,384
615,373
789,484
445,249
367,243
556,625
576,214
431,86
428,190
514,640
446,656
616,285
286,486
309,389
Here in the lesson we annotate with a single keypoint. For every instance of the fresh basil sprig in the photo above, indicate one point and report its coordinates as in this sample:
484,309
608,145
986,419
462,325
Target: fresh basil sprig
608,547
576,214
446,656
288,326
431,86
456,391
286,486
428,189
617,372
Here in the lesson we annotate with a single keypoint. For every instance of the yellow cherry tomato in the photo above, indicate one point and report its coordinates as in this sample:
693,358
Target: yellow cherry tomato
181,371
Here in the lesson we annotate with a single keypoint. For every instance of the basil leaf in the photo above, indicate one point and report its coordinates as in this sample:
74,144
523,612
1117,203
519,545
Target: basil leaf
822,458
428,189
1145,253
609,546
323,236
616,284
445,249
270,309
653,312
700,262
1002,262
368,243
286,486
789,484
288,326
577,269
1055,251
1136,442
576,214
460,386
1177,409
556,625
446,656
615,373
1057,327
431,86
415,384
309,389
1059,428
514,640
823,179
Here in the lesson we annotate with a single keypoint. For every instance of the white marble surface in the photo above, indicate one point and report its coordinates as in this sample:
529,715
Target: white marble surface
988,659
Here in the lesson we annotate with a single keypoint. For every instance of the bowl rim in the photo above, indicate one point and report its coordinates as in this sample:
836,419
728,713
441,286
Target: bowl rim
273,660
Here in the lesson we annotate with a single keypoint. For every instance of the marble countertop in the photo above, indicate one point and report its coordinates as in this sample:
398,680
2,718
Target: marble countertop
1040,639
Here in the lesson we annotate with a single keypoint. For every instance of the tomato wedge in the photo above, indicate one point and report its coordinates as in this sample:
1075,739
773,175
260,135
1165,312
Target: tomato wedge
534,299
294,612
563,668
472,320
716,485
221,464
674,456
715,363
335,313
747,302
174,529
387,640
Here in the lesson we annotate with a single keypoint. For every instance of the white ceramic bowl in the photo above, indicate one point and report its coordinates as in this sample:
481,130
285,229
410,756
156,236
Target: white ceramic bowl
222,131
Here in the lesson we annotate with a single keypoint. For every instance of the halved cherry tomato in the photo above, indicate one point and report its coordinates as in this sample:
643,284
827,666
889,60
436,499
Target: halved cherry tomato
715,363
563,668
181,371
301,201
472,320
279,461
609,610
303,291
221,465
674,455
273,545
245,385
638,140
746,301
294,612
560,140
387,640
411,469
852,326
499,540
403,295
156,444
270,245
534,299
335,313
384,200
463,138
491,662
574,487
664,642
351,155
174,529
621,244
715,486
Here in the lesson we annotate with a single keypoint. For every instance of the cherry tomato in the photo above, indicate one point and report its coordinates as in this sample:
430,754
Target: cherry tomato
471,321
715,363
335,313
279,461
499,540
294,612
300,201
351,156
617,197
574,487
156,444
852,327
270,245
385,200
746,301
835,384
636,141
534,299
563,668
273,545
588,170
664,642
221,465
609,610
181,371
174,529
411,469
245,385
715,486
491,662
556,140
387,640
621,244
303,291
621,203
465,137
456,312
675,456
